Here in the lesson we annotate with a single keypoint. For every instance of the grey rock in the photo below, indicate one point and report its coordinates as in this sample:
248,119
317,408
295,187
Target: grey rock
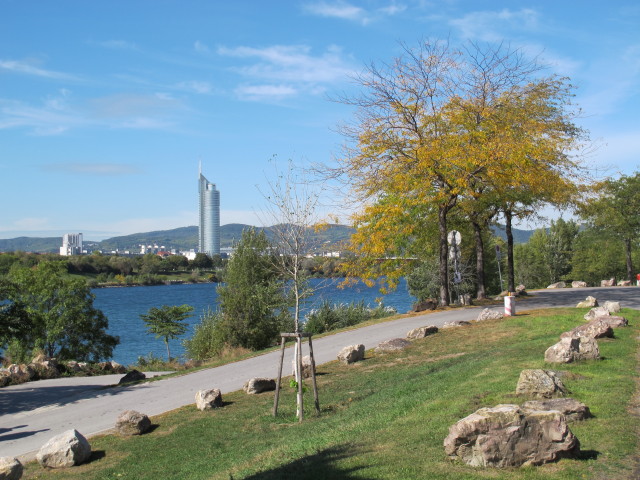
508,436
65,450
624,283
259,385
578,284
351,354
571,408
422,332
557,285
10,468
489,314
589,302
208,399
306,366
595,328
117,368
423,306
5,379
459,323
132,376
614,321
596,312
608,283
540,383
612,307
392,345
572,349
131,422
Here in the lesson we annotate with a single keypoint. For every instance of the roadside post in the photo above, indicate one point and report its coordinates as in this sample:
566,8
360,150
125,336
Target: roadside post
510,305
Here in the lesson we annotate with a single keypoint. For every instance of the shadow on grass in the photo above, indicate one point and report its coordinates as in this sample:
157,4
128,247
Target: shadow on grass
321,465
95,456
588,455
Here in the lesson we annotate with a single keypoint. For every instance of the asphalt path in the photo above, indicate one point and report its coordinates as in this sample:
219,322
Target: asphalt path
32,413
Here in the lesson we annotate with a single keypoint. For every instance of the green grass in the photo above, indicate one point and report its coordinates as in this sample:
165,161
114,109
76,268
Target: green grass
386,417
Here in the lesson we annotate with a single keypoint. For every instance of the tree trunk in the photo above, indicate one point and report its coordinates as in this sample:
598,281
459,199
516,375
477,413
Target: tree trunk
511,283
480,278
627,244
444,266
166,341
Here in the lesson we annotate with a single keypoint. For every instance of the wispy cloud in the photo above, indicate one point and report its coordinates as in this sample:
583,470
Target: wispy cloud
342,10
27,68
265,92
195,86
53,117
119,45
347,11
93,169
200,47
492,26
294,63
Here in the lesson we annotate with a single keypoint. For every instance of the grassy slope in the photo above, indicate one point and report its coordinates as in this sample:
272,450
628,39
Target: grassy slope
387,417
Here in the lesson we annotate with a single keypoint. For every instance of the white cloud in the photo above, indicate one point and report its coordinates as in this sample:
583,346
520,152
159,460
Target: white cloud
26,68
195,86
342,10
495,26
262,92
292,63
200,47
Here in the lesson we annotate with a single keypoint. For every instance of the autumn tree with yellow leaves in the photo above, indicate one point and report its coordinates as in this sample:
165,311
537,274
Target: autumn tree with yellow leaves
440,129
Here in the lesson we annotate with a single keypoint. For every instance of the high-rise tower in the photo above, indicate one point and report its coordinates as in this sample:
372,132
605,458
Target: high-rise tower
209,229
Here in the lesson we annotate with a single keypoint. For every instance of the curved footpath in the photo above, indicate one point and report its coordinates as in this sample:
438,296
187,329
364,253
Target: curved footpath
32,413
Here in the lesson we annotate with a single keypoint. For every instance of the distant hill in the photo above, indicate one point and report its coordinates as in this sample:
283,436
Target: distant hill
186,238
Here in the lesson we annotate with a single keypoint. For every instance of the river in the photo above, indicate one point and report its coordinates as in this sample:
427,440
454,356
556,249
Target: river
123,307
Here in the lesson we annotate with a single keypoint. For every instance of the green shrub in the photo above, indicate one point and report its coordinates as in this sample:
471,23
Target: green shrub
332,316
207,340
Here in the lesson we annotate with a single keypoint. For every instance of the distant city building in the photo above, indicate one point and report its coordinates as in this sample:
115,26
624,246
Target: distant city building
71,244
209,228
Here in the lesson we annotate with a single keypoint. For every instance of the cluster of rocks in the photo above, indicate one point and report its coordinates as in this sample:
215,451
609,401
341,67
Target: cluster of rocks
43,367
603,283
537,431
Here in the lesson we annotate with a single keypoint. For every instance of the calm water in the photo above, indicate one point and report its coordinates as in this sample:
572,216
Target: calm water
123,307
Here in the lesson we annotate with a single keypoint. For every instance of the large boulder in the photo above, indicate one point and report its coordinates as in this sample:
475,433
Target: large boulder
508,436
392,345
596,312
595,328
624,283
578,284
208,399
589,302
351,354
557,285
422,332
306,366
117,368
489,314
21,373
131,422
423,305
10,468
572,349
612,307
571,408
540,383
608,283
65,450
254,386
614,321
5,378
132,376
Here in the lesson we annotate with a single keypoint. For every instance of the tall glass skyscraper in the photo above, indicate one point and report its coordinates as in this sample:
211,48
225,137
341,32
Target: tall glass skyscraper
209,231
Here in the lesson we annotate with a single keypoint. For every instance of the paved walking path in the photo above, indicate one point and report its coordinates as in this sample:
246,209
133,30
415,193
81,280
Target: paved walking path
32,413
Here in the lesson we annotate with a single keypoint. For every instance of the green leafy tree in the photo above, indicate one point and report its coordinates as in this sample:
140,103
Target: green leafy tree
166,322
202,260
614,210
251,299
59,312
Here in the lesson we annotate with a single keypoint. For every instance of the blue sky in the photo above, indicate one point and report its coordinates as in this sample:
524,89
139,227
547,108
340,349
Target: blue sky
107,107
